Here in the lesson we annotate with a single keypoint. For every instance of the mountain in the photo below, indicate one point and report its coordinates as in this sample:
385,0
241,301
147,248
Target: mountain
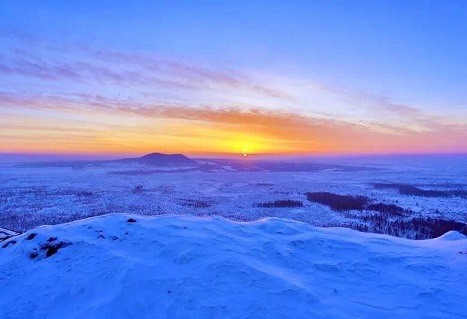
152,159
131,266
159,159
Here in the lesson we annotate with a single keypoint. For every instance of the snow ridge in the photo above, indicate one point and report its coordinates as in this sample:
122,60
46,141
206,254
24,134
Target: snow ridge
130,266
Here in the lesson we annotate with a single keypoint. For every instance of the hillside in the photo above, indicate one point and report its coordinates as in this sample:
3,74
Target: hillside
152,159
129,266
158,159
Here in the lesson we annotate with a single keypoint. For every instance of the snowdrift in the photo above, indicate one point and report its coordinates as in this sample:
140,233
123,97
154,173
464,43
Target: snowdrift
129,266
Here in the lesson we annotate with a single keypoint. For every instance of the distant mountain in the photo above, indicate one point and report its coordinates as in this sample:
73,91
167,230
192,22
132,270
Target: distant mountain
159,159
152,159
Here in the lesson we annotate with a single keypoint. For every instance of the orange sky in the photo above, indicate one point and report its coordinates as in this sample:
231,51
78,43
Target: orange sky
119,102
213,131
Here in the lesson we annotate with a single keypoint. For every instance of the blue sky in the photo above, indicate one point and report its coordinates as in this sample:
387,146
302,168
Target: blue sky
370,63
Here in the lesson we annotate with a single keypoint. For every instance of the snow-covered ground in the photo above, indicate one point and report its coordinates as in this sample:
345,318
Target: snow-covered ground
34,195
6,233
131,266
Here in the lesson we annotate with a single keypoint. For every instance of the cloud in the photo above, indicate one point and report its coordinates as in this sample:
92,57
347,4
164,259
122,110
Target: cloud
273,131
208,104
137,70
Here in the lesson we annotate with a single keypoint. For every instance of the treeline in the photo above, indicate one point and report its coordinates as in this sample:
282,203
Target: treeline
414,228
348,202
389,218
411,190
283,203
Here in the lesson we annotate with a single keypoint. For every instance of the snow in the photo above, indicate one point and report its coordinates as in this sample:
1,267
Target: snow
193,267
6,233
32,196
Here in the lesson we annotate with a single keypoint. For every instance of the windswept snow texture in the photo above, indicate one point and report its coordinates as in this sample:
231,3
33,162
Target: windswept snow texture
6,233
130,266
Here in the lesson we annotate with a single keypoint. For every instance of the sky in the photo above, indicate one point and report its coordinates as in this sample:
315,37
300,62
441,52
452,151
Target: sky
233,77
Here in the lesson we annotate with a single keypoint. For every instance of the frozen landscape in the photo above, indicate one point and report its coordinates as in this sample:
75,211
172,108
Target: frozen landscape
236,239
233,159
415,197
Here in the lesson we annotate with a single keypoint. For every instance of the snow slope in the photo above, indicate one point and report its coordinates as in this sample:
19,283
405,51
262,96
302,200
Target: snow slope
191,267
6,233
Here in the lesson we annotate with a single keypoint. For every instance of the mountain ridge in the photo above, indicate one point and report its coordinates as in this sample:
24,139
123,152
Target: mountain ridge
150,159
158,159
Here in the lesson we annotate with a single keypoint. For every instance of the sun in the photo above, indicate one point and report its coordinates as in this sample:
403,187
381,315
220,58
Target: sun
245,146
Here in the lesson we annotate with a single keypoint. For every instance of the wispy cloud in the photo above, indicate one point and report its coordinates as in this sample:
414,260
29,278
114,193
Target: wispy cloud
192,103
140,71
273,131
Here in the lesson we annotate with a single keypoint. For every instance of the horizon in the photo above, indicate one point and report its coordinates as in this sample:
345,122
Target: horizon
231,79
61,157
